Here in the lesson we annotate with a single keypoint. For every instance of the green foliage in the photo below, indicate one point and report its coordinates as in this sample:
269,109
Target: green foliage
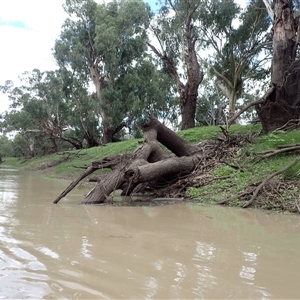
106,44
223,170
44,107
6,146
237,40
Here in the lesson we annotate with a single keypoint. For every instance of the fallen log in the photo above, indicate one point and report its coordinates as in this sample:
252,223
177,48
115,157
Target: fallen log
148,163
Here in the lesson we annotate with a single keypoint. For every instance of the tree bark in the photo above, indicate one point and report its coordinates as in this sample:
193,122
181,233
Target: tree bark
283,104
167,137
107,132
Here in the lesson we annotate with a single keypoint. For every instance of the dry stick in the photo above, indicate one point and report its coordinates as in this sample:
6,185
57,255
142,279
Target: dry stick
282,150
261,100
287,146
87,172
234,197
268,178
296,202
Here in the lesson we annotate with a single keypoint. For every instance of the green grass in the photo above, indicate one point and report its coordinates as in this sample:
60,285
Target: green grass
70,164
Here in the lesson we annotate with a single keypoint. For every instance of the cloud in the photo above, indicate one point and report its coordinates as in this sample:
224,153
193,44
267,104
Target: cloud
28,30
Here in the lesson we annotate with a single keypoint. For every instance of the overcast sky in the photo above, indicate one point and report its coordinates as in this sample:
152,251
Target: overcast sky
28,29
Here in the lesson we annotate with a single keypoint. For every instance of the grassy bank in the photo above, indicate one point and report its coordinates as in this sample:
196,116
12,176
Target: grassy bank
241,172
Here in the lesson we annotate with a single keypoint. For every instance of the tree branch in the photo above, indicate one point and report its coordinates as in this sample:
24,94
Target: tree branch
261,100
269,9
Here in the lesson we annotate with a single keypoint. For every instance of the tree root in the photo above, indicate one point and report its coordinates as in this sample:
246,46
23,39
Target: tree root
290,125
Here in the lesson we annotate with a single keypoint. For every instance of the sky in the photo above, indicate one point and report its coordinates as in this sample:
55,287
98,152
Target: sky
28,30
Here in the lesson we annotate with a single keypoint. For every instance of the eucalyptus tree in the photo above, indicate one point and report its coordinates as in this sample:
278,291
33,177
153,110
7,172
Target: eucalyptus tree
239,43
51,106
82,128
211,103
6,147
36,107
175,43
106,43
283,102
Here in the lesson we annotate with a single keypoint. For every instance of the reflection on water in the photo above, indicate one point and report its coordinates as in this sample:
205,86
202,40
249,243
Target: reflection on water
70,251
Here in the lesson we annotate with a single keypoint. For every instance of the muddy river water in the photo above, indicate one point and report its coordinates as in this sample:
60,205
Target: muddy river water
180,251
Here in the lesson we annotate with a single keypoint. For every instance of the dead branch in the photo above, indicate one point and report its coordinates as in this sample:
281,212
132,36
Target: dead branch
297,205
87,172
270,153
287,145
242,194
233,166
267,179
256,102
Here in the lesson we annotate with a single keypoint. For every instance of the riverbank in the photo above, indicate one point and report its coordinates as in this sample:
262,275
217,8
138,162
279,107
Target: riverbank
232,180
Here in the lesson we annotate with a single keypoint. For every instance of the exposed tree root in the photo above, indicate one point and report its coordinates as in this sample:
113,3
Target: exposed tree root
290,125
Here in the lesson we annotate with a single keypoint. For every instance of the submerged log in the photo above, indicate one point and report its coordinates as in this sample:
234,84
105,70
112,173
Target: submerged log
146,164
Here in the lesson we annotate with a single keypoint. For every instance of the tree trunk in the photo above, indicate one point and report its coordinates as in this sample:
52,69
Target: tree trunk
167,137
188,111
107,135
232,103
107,132
188,92
282,105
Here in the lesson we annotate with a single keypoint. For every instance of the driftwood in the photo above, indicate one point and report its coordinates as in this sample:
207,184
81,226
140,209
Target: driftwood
148,164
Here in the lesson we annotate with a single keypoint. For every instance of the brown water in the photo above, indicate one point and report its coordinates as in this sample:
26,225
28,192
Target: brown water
181,251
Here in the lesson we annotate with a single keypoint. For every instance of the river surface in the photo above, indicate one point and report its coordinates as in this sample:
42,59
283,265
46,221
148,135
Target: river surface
180,251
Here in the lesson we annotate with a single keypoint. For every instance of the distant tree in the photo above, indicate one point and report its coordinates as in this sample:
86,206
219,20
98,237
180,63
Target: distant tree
6,147
175,44
82,112
106,43
240,43
36,107
42,109
211,103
